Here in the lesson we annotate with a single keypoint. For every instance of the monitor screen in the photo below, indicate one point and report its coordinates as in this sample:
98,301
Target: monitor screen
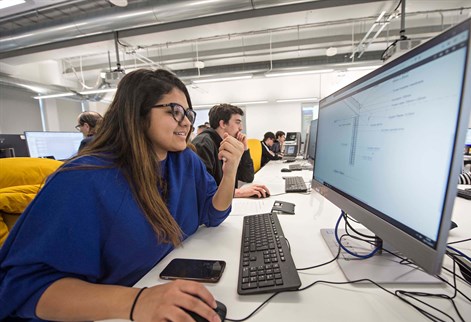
370,160
468,138
57,145
290,150
291,136
13,145
311,149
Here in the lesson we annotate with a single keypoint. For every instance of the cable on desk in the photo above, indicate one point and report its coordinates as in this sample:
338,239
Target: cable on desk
459,241
403,295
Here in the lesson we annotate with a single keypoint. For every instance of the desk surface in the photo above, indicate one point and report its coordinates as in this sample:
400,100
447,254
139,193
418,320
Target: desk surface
321,302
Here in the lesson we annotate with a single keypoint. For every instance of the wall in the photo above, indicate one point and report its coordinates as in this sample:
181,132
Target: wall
20,112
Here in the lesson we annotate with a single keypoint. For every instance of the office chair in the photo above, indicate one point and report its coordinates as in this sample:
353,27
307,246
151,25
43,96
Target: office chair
255,149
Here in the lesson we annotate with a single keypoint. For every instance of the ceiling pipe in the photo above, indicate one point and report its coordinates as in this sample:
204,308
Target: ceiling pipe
142,15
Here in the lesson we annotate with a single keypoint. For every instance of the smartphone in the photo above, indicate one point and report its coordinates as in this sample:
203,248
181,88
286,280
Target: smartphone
208,271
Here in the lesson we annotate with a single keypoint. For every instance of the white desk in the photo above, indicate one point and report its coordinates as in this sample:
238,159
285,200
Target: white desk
320,302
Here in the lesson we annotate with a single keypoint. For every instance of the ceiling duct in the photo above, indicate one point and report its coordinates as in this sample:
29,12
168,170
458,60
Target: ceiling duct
138,14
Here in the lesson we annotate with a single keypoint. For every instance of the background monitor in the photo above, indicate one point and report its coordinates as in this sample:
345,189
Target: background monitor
370,160
468,138
13,145
311,147
58,145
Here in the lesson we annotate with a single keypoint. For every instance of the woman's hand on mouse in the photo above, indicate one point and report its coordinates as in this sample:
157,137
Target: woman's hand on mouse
166,303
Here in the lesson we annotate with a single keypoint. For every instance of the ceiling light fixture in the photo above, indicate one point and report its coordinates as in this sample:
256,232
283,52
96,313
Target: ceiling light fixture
10,3
350,69
93,91
307,99
40,97
222,79
299,73
249,103
203,105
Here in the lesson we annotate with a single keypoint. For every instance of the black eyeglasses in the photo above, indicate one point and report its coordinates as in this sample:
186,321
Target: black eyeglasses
78,126
179,112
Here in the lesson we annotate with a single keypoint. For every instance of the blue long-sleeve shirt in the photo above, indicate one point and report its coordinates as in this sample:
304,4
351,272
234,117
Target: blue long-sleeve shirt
86,224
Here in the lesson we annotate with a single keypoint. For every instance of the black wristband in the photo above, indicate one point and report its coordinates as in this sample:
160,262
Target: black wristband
134,303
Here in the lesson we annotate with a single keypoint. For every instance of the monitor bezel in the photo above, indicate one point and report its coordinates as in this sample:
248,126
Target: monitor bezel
429,258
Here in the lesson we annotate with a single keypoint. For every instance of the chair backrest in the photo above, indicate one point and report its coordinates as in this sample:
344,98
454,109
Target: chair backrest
255,147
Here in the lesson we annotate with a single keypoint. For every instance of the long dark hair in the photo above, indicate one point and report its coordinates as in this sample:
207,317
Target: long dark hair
122,137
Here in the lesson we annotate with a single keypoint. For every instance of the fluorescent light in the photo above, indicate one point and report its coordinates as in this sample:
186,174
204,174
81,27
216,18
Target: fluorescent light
350,69
307,99
299,73
222,79
93,91
53,95
203,105
249,103
10,3
98,91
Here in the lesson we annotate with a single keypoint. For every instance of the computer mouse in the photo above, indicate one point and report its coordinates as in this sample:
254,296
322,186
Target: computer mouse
285,170
221,310
256,196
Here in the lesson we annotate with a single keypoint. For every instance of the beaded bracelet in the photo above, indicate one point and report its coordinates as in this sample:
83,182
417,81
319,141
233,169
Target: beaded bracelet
134,303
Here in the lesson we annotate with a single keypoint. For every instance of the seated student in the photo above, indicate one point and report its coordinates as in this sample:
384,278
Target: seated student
88,124
267,154
277,146
109,215
201,128
227,119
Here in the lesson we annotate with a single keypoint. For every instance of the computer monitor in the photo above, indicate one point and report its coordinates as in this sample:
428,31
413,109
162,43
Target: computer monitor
291,137
370,160
57,145
13,145
468,138
311,145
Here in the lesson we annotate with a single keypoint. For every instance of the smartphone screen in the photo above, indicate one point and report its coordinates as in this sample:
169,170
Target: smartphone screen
208,271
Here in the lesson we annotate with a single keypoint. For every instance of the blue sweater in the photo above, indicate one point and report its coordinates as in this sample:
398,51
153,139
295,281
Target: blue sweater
86,224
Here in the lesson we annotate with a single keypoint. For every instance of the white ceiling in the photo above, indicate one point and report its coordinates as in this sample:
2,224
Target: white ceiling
270,35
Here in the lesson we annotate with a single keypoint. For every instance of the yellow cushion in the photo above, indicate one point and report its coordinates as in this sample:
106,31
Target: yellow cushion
23,171
255,149
15,199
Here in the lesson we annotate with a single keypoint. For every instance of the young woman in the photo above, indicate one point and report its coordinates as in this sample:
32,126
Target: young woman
108,216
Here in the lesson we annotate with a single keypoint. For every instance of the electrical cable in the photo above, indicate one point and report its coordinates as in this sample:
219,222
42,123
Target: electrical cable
342,215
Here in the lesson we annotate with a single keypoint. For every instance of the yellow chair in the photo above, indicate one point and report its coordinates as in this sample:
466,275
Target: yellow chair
255,147
20,181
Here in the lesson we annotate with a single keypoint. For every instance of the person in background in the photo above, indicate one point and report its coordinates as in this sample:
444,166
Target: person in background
267,154
88,123
201,128
277,146
143,193
226,119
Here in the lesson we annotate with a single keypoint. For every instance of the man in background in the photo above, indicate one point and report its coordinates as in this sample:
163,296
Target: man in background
88,123
226,118
277,146
267,154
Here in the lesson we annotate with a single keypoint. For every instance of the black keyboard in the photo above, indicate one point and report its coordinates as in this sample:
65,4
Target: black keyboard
295,167
464,193
295,184
266,265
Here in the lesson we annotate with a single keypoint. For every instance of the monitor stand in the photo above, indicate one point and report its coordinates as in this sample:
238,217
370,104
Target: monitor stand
383,268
